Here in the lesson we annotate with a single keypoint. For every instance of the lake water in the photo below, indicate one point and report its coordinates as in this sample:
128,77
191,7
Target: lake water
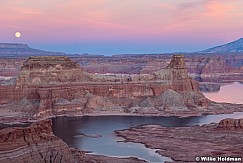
232,93
96,134
71,130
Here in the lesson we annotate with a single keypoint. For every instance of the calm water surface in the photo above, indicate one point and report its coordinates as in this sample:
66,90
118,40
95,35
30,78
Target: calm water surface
232,93
71,130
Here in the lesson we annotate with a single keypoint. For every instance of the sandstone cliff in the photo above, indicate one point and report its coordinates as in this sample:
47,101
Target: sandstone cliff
49,70
35,143
201,66
60,86
231,124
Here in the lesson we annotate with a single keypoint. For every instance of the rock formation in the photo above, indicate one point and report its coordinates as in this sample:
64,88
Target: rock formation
35,143
231,124
48,70
177,62
184,144
209,87
203,66
82,157
61,86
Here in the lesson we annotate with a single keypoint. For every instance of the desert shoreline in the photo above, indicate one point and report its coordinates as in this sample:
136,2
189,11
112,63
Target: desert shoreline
33,119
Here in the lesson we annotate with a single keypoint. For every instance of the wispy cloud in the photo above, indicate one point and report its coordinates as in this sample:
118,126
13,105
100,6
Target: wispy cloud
110,19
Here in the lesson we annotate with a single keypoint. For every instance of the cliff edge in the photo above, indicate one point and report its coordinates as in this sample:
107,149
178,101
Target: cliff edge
33,144
56,85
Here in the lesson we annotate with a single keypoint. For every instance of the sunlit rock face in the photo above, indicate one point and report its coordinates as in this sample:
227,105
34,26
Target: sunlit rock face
60,85
177,62
49,70
177,74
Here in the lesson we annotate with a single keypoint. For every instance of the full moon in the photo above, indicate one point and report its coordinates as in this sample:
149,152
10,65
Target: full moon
17,34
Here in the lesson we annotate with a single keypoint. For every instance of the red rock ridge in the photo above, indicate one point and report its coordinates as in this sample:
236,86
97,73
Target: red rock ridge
60,85
47,70
37,143
231,124
32,144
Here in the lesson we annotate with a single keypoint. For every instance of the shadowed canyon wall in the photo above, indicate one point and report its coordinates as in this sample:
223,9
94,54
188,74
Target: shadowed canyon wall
35,143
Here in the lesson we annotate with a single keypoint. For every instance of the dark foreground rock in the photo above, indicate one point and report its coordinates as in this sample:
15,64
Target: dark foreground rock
81,156
36,143
184,144
231,124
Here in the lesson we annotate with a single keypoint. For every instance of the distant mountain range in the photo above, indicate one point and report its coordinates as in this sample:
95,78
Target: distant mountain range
232,47
14,49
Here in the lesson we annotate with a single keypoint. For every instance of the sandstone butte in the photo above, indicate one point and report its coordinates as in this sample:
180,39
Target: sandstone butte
184,144
56,85
49,86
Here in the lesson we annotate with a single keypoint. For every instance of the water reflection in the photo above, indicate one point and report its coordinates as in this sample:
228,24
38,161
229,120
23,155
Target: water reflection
231,93
71,130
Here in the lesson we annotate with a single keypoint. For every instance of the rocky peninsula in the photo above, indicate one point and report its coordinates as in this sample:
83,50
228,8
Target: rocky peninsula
187,144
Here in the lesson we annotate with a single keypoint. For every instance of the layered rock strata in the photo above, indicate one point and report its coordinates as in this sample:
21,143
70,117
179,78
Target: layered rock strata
82,157
231,124
60,86
184,144
203,67
49,70
35,143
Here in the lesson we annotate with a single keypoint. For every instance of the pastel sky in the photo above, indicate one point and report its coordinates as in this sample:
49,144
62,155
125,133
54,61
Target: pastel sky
121,26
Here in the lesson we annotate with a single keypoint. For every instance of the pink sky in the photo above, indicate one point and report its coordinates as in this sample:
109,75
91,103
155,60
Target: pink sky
122,26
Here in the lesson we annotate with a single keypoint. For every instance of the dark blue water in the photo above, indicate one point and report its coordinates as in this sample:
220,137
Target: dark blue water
71,130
